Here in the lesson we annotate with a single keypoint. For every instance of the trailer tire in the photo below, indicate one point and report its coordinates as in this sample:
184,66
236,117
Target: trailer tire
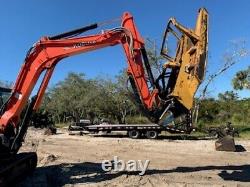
151,134
134,134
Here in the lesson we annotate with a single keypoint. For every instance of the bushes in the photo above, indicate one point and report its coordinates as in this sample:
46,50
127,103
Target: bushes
217,112
80,98
138,119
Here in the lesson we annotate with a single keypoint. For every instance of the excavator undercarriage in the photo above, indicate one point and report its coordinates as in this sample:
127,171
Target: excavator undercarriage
14,168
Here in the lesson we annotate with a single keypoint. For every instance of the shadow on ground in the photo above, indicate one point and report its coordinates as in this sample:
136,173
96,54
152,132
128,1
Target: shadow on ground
87,172
240,148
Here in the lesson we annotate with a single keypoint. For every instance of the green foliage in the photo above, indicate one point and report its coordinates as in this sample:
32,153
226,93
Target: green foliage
226,108
242,80
208,110
228,96
42,119
155,60
137,120
95,99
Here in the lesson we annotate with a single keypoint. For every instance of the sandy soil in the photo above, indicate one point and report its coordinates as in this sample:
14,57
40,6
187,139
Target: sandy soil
66,160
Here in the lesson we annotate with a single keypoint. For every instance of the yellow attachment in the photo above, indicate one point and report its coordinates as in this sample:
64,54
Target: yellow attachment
192,57
171,64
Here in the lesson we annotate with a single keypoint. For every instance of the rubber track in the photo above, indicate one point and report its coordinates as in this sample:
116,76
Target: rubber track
17,168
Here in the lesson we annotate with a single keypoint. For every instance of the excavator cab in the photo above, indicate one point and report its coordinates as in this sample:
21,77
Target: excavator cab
4,95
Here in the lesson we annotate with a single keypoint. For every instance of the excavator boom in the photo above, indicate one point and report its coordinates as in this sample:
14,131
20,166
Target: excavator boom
172,91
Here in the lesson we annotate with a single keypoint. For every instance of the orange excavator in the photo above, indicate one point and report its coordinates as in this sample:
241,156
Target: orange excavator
162,98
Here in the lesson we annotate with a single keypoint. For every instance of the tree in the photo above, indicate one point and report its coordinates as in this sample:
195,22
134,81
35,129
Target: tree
242,80
113,101
230,58
78,97
155,60
208,111
66,98
228,96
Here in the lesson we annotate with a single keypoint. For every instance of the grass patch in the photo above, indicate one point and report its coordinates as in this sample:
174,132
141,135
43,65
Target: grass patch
245,136
245,133
198,133
61,125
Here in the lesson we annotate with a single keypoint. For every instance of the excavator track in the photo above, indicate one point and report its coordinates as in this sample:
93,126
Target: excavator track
15,168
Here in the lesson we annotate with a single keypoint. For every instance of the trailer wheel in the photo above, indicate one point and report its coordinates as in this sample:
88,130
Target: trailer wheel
151,134
134,134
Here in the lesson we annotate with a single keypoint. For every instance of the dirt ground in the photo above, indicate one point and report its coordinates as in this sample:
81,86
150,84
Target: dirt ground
66,160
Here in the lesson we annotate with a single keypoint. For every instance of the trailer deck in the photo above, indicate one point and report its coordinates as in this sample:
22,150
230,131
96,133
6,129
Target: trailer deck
151,131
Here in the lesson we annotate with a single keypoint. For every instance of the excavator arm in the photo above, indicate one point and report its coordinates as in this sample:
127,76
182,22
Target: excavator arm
47,53
162,99
172,92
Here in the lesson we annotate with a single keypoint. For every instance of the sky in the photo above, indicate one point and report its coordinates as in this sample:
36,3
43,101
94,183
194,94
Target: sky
23,22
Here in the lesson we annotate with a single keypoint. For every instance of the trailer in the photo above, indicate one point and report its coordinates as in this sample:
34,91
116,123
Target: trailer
134,131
